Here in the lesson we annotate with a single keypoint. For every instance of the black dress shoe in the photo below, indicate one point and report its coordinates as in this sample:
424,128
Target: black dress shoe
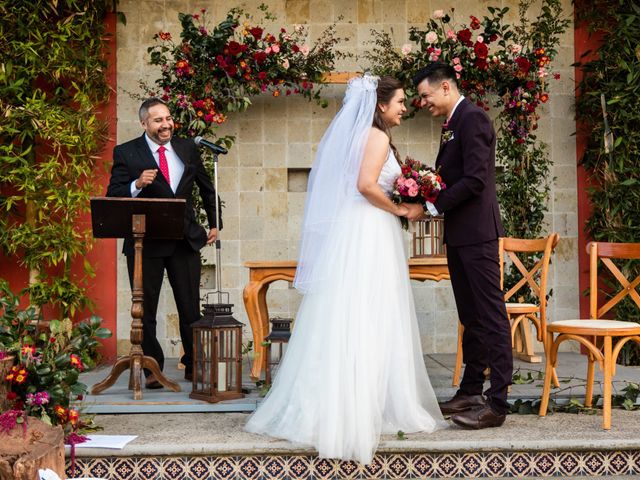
461,403
482,417
153,385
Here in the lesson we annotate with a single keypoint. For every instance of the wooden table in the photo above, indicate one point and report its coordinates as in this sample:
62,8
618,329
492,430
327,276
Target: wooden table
262,274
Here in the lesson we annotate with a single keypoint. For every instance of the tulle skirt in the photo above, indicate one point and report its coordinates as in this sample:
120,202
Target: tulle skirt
353,368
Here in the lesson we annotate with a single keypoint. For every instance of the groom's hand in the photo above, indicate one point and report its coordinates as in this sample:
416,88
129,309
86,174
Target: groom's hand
416,211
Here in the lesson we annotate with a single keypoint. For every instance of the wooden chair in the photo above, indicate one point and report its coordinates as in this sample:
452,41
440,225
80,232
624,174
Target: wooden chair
602,338
520,312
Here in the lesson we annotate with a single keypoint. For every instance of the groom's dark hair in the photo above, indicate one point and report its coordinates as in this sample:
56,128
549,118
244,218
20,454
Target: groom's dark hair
436,72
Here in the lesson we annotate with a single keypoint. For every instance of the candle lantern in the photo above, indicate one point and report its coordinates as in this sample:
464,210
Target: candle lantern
428,238
217,355
280,334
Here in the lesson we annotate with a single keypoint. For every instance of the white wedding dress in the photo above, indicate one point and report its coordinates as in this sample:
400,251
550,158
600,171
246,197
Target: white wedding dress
354,367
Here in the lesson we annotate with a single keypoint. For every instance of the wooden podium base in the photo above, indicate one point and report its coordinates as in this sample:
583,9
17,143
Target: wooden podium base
135,363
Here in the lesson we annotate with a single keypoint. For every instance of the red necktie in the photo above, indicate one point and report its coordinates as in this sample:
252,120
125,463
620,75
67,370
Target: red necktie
164,166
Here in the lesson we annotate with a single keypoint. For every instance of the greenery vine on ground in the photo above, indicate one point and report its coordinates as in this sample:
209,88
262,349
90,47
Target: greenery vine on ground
613,70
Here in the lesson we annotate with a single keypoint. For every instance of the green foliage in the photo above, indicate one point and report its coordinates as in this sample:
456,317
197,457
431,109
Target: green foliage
507,69
626,400
52,81
48,359
614,177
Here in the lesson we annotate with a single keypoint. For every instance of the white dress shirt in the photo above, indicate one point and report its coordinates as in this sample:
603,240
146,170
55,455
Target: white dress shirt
176,167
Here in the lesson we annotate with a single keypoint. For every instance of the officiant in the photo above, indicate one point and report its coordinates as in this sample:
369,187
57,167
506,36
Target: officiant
158,164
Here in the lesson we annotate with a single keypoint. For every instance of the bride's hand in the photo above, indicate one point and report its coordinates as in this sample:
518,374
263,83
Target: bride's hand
414,211
402,210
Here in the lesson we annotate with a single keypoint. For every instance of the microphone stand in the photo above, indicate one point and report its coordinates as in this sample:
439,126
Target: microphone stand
217,217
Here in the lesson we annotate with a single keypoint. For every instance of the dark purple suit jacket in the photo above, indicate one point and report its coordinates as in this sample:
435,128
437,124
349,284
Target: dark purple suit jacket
467,166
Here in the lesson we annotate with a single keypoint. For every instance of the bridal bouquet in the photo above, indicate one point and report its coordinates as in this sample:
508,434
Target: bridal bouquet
416,184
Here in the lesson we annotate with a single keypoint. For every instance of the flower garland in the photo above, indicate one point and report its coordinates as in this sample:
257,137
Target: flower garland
494,62
210,73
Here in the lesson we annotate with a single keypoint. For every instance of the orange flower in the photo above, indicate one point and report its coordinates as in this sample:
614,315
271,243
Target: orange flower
276,93
60,411
164,36
75,361
28,351
73,417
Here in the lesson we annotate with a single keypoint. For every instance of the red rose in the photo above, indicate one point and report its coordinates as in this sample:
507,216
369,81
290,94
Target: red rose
530,85
295,48
481,50
260,57
464,35
262,75
493,37
475,23
231,70
481,64
524,65
234,47
11,396
256,32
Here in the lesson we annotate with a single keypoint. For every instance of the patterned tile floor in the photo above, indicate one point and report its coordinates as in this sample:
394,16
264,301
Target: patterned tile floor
387,466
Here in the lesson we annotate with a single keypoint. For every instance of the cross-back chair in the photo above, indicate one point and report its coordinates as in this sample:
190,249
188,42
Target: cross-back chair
519,311
602,338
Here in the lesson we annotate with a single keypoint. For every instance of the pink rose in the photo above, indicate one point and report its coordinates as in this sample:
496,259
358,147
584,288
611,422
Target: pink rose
406,49
438,14
431,37
304,49
412,187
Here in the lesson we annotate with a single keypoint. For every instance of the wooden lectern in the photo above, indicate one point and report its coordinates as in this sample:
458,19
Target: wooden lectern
150,218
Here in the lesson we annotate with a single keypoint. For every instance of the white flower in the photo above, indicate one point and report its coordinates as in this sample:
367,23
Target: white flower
431,37
438,14
515,48
285,63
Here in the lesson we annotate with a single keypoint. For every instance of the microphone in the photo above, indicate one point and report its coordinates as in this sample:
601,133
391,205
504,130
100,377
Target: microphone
201,142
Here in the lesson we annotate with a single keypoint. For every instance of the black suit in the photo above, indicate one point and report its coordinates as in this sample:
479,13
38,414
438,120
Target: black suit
180,258
471,229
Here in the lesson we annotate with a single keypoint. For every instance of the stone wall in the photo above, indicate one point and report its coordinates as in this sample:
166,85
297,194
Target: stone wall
263,191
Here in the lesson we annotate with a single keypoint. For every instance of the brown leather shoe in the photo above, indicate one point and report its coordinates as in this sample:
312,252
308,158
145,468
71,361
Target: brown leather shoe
151,383
478,418
461,403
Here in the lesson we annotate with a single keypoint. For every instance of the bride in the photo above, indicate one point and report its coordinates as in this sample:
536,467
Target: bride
354,367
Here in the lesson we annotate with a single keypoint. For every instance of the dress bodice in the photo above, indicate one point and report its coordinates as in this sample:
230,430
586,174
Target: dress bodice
389,173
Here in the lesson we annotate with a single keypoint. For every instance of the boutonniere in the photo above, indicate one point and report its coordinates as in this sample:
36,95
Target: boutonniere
447,136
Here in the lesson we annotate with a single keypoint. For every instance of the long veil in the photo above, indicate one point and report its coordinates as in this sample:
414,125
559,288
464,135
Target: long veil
334,175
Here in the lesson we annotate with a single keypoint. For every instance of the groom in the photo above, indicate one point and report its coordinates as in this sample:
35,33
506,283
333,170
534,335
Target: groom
471,229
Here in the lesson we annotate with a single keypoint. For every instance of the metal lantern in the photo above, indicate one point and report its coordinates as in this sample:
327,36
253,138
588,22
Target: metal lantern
217,355
280,334
428,238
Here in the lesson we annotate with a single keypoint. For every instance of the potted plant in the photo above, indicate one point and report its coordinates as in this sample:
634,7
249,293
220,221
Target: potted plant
43,377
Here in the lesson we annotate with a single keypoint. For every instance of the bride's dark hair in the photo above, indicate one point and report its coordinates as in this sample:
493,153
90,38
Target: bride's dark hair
387,87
